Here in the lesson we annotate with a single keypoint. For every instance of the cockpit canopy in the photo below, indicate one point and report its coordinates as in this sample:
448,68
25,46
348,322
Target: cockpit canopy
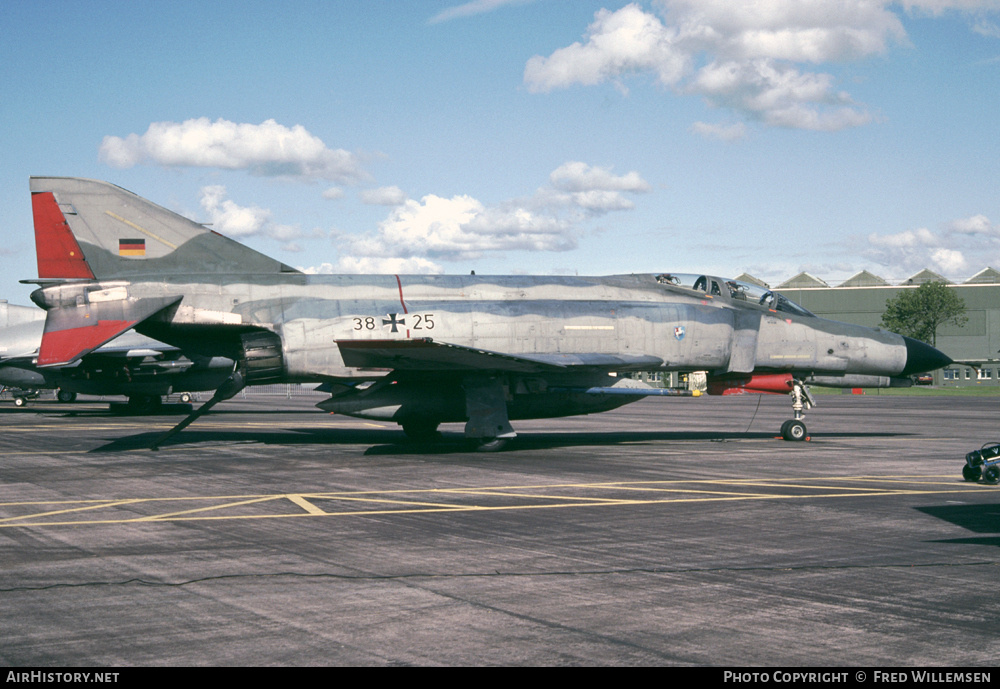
734,290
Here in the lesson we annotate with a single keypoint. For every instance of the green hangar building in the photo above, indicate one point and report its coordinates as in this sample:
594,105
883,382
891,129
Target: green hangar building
974,346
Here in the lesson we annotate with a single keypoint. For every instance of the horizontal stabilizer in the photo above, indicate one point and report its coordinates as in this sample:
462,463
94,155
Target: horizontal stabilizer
426,355
74,331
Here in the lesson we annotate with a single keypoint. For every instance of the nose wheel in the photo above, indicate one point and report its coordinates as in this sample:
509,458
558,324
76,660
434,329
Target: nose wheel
795,429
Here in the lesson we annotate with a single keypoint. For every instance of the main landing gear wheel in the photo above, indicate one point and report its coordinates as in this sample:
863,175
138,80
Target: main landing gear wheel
794,430
20,401
491,444
65,396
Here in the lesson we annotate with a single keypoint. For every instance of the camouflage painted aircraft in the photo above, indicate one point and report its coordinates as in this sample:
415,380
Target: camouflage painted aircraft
422,350
141,369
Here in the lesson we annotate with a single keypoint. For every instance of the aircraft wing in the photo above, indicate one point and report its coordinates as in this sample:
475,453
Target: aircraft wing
425,354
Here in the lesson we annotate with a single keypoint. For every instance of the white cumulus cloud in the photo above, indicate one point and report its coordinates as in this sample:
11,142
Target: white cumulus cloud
618,43
949,261
732,132
987,28
472,8
759,60
937,7
266,149
436,228
577,176
383,196
229,218
961,246
905,239
977,224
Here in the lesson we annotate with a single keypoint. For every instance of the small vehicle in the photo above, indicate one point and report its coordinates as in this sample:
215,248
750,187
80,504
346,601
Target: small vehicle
984,464
20,396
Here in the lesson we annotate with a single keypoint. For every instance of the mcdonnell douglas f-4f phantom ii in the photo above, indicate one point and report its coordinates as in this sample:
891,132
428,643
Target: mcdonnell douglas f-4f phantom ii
421,350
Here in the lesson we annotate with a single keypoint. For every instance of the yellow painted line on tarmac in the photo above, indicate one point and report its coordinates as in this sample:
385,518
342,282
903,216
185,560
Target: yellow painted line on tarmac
347,513
928,480
504,493
428,510
701,491
11,453
523,497
135,500
807,486
76,429
428,506
172,515
541,496
97,505
224,425
305,504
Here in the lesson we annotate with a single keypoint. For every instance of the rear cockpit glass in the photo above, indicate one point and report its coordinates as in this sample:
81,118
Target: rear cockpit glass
735,290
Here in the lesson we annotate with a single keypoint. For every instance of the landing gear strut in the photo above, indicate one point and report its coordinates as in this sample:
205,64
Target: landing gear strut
261,363
795,429
486,406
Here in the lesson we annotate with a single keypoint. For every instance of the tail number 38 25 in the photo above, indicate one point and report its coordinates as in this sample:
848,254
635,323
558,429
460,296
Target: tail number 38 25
395,321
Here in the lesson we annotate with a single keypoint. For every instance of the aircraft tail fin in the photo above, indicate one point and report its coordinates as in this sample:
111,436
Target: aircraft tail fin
95,230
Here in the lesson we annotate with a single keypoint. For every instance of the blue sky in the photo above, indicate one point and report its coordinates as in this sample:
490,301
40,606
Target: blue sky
524,136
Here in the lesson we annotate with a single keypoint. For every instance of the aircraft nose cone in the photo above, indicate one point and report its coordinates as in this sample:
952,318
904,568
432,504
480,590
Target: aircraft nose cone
921,357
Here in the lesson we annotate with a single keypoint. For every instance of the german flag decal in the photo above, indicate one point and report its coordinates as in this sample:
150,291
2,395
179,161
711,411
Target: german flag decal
131,247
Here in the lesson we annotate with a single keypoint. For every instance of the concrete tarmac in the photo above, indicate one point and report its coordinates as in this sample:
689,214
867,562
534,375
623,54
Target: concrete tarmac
668,532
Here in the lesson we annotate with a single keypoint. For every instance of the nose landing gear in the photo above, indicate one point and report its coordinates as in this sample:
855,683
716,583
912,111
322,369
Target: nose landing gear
795,429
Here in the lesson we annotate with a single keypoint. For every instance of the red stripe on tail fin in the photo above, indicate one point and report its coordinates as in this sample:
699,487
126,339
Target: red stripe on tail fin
59,255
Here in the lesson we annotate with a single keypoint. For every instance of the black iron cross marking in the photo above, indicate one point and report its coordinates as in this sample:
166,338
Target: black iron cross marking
391,320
